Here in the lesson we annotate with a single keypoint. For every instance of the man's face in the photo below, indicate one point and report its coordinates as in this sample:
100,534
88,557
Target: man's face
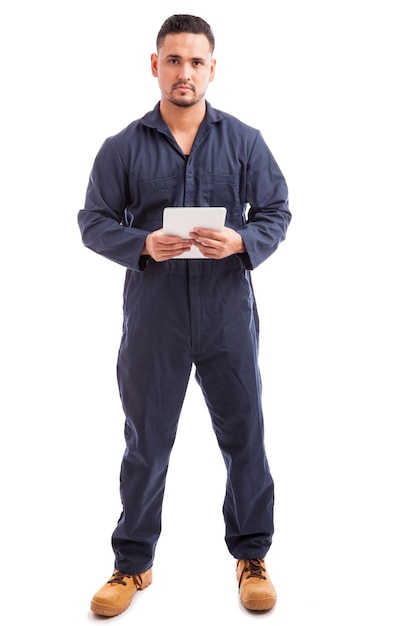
184,68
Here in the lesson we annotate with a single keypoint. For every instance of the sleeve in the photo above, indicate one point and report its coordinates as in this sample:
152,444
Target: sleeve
102,222
267,197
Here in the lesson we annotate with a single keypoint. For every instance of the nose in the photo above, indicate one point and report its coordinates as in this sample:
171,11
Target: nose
184,72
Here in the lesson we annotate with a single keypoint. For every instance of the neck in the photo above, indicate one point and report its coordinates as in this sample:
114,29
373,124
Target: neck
182,118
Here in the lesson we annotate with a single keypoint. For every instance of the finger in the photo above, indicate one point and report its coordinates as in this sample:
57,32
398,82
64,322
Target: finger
206,233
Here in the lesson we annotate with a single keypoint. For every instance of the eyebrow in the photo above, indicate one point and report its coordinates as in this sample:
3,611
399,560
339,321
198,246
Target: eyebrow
178,56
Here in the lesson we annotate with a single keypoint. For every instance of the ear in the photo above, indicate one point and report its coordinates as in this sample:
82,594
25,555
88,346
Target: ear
212,69
154,64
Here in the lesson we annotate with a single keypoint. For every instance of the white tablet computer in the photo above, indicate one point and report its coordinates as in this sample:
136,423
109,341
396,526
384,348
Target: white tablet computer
181,221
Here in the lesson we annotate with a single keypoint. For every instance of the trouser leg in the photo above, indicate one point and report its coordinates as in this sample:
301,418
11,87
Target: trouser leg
153,371
227,371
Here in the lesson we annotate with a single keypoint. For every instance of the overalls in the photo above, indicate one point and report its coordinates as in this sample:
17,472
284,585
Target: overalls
181,313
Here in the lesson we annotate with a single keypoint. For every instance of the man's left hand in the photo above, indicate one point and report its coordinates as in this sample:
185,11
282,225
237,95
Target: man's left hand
217,244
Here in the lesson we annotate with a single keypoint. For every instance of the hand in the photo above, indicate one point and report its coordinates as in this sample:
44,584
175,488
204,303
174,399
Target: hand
215,244
163,247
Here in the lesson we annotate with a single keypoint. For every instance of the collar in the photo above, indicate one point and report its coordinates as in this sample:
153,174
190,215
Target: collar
153,119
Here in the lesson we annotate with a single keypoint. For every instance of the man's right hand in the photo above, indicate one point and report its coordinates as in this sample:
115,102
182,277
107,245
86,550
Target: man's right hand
163,247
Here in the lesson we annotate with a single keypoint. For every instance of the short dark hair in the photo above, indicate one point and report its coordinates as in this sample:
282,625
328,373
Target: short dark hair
185,24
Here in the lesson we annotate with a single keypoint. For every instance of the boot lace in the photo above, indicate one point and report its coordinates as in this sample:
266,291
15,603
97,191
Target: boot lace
255,569
118,579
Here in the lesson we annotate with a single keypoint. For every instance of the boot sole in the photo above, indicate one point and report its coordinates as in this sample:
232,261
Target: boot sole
108,611
259,605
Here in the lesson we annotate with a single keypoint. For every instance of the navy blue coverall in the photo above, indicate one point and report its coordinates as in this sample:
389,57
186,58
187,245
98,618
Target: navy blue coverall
182,312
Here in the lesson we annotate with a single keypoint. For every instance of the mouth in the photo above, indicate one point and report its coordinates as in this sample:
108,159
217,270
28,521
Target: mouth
183,87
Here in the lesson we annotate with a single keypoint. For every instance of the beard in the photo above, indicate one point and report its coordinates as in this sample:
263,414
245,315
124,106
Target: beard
187,100
180,102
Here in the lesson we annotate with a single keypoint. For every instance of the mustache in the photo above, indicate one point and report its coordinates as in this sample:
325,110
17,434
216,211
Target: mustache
181,84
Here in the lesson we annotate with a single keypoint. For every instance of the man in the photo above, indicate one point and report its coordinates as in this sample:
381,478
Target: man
184,312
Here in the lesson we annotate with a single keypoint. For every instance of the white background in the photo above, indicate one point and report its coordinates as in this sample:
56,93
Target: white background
332,87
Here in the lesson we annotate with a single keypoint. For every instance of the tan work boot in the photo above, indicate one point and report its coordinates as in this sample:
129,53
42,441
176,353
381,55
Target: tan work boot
116,595
257,593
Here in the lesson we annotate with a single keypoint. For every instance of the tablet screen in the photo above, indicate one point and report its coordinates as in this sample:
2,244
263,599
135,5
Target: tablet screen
181,221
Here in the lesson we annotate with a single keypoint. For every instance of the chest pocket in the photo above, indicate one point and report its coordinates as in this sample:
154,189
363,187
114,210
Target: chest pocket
221,190
154,196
